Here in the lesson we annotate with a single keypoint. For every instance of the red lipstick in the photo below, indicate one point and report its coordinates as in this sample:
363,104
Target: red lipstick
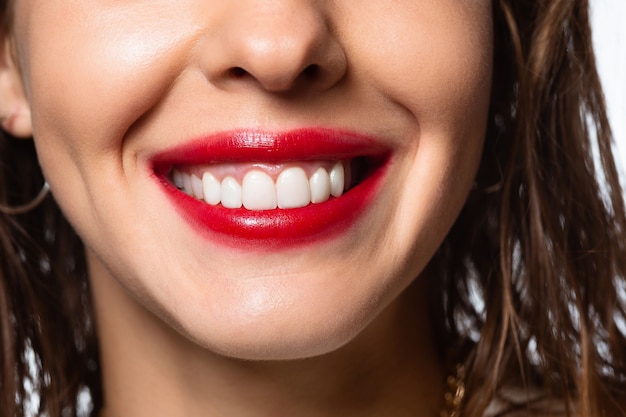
278,227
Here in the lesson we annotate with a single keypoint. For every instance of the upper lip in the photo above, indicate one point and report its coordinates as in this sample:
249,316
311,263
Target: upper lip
271,147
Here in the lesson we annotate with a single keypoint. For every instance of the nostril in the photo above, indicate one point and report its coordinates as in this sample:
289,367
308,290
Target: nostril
311,71
309,75
237,72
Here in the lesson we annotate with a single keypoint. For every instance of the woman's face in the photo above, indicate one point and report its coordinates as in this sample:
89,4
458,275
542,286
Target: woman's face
131,98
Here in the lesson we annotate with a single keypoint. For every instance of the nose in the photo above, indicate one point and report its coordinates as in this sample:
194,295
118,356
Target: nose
278,45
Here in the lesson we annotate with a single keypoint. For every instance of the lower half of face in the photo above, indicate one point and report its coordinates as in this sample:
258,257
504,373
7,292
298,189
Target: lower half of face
266,177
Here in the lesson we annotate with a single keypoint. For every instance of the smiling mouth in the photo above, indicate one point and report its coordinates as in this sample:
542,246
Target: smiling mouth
284,189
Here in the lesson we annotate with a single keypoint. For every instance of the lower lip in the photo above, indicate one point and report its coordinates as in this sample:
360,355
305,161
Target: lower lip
243,228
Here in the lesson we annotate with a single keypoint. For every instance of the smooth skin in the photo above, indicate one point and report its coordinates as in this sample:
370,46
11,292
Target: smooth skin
192,328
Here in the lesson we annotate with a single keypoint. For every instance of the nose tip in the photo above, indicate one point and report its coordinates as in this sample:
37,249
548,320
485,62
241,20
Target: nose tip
280,49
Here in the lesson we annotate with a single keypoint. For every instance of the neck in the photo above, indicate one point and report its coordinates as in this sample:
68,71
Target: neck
149,369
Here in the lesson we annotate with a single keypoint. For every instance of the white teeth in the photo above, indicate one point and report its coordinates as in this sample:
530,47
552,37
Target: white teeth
187,184
211,189
258,191
320,186
292,188
178,179
231,193
337,180
196,186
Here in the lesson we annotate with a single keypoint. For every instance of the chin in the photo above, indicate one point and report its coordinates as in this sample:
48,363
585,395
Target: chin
279,334
284,348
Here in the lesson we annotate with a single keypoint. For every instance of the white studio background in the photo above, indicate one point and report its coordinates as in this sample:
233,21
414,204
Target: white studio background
608,19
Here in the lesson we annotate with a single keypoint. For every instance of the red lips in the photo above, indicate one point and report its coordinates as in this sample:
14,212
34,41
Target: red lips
278,227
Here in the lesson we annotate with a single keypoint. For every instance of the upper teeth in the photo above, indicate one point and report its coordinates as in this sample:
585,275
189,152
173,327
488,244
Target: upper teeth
292,189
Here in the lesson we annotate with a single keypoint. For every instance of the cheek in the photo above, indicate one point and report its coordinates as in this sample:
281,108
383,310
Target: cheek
439,74
439,67
90,78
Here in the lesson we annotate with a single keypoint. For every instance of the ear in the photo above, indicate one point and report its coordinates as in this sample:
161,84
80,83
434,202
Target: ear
15,118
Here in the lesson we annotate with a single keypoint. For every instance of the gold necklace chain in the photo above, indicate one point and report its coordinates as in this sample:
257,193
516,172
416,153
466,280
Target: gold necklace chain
455,392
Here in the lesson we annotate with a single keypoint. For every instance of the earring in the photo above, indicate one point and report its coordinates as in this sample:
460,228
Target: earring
25,208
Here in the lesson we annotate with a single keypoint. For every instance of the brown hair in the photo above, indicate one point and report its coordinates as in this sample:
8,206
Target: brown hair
526,286
539,239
